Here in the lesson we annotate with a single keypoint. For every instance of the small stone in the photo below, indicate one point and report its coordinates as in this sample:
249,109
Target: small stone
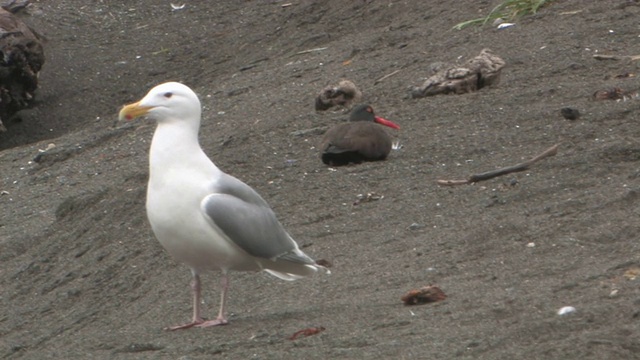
415,226
424,295
566,310
570,113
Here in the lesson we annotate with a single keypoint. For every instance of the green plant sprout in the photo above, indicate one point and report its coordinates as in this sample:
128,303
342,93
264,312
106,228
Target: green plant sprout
507,10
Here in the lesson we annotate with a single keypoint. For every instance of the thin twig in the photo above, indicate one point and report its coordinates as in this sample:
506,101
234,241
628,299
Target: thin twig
502,171
310,50
616,57
570,12
386,76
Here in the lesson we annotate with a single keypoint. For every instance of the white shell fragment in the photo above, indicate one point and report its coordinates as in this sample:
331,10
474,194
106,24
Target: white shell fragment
566,310
177,7
49,147
505,25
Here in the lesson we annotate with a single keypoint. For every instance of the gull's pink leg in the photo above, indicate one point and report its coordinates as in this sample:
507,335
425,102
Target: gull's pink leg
220,320
195,288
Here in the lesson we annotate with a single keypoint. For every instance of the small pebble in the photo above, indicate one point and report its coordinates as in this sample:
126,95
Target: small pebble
415,226
570,113
566,310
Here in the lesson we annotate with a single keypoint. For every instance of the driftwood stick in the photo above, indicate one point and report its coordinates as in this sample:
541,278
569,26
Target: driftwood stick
502,171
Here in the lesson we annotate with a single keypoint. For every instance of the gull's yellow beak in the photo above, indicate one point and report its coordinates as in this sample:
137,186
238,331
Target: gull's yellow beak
132,111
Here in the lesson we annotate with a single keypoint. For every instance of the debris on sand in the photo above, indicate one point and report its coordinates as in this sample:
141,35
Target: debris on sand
343,94
368,197
312,131
424,295
566,310
616,57
483,70
608,94
307,332
324,262
570,113
632,273
22,58
615,93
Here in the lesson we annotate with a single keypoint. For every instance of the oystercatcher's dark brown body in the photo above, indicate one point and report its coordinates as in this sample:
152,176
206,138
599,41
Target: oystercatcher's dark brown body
361,139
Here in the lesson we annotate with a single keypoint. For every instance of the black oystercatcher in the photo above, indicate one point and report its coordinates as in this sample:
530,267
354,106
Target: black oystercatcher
361,139
203,217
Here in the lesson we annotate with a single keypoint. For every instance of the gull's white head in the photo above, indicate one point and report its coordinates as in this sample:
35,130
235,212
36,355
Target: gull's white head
170,101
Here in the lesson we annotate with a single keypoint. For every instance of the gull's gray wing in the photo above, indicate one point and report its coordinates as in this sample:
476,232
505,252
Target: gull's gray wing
247,220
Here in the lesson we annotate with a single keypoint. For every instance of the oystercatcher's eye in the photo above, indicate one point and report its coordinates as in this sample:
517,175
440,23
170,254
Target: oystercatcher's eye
168,95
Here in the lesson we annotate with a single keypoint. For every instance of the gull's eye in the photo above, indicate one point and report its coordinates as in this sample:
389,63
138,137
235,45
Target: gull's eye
168,95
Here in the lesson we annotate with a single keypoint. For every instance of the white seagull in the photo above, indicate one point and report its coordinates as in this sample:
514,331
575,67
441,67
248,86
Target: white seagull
203,217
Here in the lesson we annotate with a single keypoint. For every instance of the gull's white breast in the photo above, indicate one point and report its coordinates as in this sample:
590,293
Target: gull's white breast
174,211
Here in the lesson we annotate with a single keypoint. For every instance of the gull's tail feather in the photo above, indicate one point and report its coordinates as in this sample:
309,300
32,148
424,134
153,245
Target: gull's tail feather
289,271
